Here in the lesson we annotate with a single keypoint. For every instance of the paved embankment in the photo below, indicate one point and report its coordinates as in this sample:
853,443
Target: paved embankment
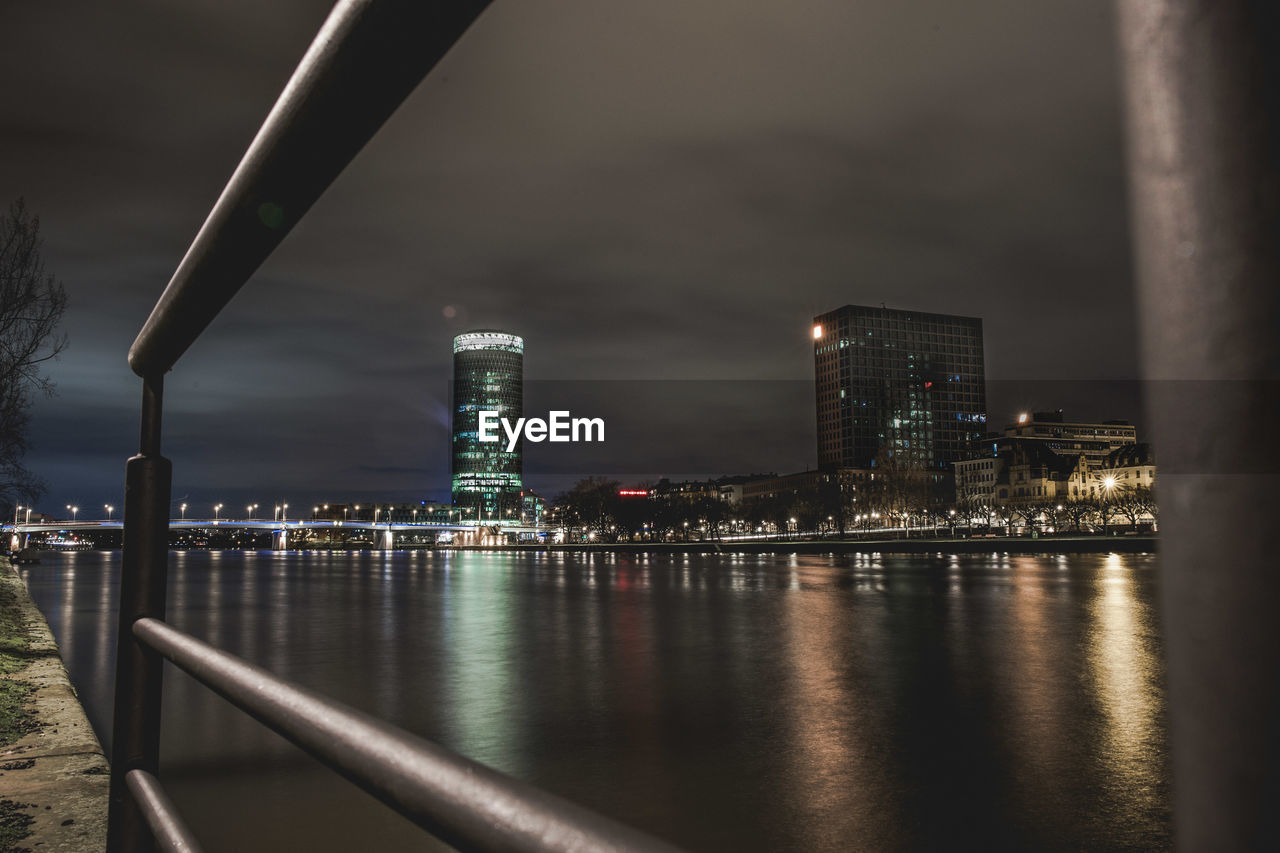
53,773
930,545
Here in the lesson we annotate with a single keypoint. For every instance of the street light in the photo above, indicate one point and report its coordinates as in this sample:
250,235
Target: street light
215,511
74,510
184,512
109,508
249,509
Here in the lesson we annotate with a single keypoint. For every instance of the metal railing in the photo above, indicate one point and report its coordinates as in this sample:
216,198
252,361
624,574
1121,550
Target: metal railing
368,56
1203,108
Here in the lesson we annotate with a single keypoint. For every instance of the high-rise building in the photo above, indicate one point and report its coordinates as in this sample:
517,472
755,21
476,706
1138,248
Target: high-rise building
488,375
910,382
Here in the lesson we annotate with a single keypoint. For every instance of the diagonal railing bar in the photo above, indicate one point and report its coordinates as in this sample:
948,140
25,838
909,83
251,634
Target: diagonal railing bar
458,800
367,58
170,832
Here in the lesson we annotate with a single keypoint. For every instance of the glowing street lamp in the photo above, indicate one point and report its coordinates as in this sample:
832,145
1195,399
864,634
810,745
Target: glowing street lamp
215,511
249,509
184,512
110,509
74,510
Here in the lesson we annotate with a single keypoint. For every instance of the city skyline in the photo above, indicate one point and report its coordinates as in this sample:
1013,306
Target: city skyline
748,185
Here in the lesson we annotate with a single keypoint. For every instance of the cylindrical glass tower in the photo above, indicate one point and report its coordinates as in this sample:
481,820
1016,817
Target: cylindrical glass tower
488,375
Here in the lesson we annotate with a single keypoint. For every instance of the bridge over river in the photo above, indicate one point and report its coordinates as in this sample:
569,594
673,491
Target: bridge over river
384,534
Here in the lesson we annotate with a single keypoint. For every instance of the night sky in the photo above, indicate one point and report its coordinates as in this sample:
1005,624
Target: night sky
645,191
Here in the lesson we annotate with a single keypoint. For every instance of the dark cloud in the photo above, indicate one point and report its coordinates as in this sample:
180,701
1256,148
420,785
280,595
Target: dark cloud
667,190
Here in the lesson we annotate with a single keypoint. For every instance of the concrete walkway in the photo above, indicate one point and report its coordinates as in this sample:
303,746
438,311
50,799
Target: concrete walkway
54,777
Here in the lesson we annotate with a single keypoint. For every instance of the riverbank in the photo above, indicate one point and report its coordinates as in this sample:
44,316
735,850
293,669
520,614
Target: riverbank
53,773
929,545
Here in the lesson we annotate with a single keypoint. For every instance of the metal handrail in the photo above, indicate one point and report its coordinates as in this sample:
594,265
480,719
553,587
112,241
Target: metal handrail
366,59
368,56
171,833
456,799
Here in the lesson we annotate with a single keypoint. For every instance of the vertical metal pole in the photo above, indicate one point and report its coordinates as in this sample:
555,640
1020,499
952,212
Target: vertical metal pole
135,738
1203,89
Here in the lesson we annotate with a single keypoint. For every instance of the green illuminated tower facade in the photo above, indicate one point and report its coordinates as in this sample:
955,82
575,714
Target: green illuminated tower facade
488,375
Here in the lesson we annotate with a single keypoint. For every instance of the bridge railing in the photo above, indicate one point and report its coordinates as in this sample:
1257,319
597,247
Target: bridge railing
368,56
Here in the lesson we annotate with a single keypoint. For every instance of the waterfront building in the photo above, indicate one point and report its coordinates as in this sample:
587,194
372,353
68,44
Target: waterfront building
1094,441
848,480
976,480
533,508
908,383
1126,469
1031,474
488,375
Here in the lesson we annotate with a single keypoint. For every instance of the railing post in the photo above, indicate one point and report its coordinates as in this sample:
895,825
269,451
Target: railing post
135,738
1203,83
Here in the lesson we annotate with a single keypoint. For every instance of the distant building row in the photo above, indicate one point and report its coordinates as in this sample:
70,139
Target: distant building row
1043,457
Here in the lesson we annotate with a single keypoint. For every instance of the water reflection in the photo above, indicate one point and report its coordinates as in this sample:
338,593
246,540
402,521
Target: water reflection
1127,678
734,701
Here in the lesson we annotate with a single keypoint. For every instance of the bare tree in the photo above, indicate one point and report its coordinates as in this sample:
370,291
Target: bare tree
31,306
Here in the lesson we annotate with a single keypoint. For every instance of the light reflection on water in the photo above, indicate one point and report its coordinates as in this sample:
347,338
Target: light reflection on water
746,702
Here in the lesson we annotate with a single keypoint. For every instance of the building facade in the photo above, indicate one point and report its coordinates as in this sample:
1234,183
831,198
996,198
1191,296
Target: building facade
1069,438
488,375
1046,459
908,382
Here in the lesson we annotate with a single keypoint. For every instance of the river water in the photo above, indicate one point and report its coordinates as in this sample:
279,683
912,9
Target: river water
724,702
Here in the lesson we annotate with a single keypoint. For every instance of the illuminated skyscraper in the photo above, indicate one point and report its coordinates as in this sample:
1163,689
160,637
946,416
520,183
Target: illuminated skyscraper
488,375
911,382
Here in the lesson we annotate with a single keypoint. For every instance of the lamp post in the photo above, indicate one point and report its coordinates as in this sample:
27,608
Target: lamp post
110,509
1108,484
16,510
184,512
74,510
216,507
